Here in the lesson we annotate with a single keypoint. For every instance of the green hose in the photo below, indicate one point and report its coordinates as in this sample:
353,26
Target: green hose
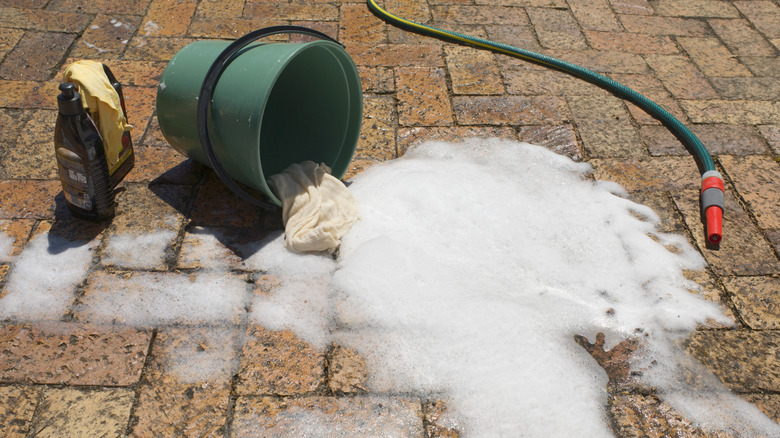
692,143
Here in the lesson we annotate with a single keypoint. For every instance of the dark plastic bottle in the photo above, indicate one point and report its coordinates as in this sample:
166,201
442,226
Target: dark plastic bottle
81,159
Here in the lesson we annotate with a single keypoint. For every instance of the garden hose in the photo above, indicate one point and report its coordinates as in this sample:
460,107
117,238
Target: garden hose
712,191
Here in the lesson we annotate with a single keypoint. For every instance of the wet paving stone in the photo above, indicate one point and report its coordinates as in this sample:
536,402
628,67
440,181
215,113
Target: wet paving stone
29,94
377,134
168,17
99,6
745,112
473,71
17,406
746,361
743,251
35,56
556,28
28,199
757,300
608,138
279,363
359,25
350,416
107,36
655,25
377,79
76,412
347,372
757,179
186,388
155,49
662,173
514,110
72,354
712,57
163,165
409,137
423,106
400,55
19,231
772,135
560,139
594,15
43,20
741,38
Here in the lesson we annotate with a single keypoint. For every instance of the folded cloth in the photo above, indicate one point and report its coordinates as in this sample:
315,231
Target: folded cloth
317,208
102,101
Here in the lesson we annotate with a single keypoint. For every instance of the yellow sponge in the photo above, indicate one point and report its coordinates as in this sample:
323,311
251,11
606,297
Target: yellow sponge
102,102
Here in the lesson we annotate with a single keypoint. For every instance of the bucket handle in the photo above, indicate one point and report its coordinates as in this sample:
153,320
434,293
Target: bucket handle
207,92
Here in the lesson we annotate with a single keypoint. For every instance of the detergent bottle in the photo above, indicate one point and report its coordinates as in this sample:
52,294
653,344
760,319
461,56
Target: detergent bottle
81,159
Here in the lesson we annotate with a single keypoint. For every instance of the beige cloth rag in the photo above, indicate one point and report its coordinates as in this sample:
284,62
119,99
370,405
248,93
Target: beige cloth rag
103,104
317,208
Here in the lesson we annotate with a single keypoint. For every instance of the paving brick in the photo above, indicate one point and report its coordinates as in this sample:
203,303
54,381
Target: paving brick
47,21
769,404
106,37
226,28
598,107
741,38
756,300
732,111
603,62
643,175
681,77
216,206
350,416
99,6
72,354
409,9
595,15
473,71
747,88
163,165
28,94
423,98
478,15
774,239
547,82
712,57
357,24
650,87
12,121
17,406
695,8
168,17
510,110
718,139
155,49
399,55
186,391
772,135
8,39
556,28
746,361
762,66
33,199
532,3
436,424
377,79
154,212
632,7
521,36
19,231
408,137
560,139
763,14
33,154
743,251
35,56
631,42
377,134
279,363
655,25
347,371
292,11
646,415
75,412
140,103
216,9
757,179
610,138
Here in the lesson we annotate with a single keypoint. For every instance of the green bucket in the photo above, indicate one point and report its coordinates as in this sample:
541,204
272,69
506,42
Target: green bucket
267,105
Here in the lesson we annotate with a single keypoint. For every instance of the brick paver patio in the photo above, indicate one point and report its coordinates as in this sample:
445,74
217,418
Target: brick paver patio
712,63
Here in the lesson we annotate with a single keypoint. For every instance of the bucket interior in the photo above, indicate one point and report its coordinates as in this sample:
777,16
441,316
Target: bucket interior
307,113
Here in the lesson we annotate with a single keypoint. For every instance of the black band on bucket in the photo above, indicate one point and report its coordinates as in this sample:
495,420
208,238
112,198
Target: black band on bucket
207,92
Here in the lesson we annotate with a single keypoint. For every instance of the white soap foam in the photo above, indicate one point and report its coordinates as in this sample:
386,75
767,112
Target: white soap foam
469,273
43,278
149,299
133,251
206,356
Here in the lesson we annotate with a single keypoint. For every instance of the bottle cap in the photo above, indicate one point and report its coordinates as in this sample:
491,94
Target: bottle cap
69,100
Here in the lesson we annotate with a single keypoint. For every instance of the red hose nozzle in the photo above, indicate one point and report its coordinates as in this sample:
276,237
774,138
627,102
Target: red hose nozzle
712,206
714,224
